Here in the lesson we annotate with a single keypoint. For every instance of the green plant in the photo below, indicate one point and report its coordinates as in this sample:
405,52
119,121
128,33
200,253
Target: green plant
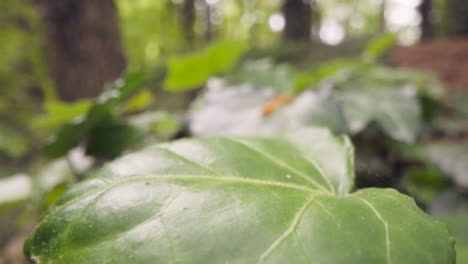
353,99
97,121
188,72
285,199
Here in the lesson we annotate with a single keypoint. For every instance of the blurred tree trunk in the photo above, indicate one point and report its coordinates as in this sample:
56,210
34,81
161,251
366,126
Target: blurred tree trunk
208,25
83,45
187,19
298,16
457,17
427,25
383,20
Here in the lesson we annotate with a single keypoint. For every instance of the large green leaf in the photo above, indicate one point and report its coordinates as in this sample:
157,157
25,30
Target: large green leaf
238,110
238,200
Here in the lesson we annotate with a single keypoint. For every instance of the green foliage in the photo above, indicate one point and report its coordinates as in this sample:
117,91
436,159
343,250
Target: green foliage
452,159
15,144
23,78
148,31
424,183
239,199
139,102
458,227
59,113
395,109
212,200
100,114
248,20
379,46
315,76
161,125
185,73
361,94
45,184
452,121
109,140
264,74
239,110
452,209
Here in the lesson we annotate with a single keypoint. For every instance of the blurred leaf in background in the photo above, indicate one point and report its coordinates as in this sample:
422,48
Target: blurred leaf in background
452,159
102,112
58,113
264,74
139,102
149,31
23,76
379,46
188,72
359,93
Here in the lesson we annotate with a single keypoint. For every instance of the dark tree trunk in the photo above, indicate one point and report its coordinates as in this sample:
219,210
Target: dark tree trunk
208,25
298,16
187,19
83,42
457,17
427,26
383,21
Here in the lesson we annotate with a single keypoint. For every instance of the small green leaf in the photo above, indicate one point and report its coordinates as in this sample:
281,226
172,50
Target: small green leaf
139,102
379,45
71,134
238,200
185,73
59,113
67,137
110,140
160,124
314,76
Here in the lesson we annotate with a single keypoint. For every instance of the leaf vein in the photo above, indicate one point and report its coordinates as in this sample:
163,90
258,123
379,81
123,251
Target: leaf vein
280,163
187,160
292,227
385,224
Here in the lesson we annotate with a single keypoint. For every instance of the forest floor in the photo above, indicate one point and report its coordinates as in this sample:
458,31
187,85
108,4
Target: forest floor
447,58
